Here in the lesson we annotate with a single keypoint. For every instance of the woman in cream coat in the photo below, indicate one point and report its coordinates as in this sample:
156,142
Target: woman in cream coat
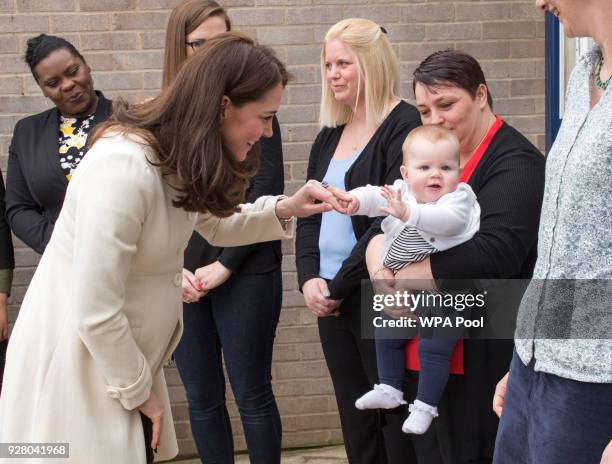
84,359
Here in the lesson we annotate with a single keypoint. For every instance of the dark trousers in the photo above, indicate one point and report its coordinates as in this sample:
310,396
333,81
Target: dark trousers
547,419
464,432
434,355
351,360
238,319
3,345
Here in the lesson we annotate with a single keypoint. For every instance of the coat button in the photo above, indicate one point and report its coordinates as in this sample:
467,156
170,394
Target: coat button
432,239
113,393
178,279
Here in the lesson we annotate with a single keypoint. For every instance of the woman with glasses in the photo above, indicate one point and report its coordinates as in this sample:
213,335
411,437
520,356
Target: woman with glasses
232,296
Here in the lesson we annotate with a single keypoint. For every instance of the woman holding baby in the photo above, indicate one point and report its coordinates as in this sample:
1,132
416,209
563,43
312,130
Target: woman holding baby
505,172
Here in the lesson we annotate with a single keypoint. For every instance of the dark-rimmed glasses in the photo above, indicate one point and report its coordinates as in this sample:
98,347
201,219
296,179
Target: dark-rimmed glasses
195,44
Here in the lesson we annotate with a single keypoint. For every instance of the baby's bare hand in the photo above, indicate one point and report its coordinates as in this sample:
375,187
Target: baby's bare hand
395,206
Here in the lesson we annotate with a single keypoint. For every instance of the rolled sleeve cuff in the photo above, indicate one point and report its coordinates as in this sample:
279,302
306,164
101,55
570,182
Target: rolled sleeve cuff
135,394
6,280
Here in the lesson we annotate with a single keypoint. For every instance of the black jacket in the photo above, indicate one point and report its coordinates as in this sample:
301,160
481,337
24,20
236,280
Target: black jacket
248,259
7,259
378,164
35,182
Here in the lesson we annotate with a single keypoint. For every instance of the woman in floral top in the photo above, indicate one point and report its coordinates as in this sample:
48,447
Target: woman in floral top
47,147
556,402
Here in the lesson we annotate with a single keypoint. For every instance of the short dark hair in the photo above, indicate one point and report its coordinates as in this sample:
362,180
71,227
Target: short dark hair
40,47
452,67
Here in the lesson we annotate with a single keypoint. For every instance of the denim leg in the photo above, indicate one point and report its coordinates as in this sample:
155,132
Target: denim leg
198,358
434,356
548,419
246,310
391,362
3,345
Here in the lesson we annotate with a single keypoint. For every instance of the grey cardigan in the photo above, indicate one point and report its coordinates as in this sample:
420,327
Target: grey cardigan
567,327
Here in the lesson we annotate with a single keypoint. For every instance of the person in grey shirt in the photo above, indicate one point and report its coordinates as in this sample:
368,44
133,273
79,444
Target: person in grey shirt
557,397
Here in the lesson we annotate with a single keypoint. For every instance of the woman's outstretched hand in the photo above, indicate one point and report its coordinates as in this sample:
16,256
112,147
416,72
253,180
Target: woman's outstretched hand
348,201
311,198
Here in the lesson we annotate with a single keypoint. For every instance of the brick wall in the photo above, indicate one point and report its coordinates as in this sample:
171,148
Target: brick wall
122,40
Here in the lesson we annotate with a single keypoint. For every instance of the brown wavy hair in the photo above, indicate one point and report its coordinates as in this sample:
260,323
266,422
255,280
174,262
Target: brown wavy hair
182,125
184,19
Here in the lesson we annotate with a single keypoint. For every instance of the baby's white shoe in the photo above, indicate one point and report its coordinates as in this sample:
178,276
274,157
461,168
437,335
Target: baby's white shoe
419,420
381,397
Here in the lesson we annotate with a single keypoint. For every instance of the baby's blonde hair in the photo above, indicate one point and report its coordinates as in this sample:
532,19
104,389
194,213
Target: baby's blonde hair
433,134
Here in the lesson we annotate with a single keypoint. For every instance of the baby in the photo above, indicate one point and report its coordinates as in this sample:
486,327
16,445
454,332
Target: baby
428,211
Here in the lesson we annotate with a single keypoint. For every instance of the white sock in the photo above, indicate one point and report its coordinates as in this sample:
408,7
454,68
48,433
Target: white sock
419,420
381,397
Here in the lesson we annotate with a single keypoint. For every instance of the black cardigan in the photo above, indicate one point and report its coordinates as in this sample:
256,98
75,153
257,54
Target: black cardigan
378,164
248,259
35,182
7,259
509,185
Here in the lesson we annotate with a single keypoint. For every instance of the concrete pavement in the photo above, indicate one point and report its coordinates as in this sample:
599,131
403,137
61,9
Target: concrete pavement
326,455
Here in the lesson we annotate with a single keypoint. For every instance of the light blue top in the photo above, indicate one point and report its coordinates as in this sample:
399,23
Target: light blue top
336,238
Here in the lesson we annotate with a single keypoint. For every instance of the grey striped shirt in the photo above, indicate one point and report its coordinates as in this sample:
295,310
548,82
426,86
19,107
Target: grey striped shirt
408,247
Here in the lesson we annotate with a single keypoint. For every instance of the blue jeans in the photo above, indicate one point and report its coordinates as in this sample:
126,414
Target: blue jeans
547,419
238,319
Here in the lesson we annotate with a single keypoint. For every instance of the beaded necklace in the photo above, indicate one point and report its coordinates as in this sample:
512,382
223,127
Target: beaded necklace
598,83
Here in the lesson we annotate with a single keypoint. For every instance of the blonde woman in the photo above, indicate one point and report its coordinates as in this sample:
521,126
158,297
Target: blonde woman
231,296
363,125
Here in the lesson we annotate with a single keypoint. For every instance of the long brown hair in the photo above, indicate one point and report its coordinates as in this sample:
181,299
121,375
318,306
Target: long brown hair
182,125
184,19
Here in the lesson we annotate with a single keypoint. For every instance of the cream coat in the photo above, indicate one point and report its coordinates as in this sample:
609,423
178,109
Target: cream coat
103,311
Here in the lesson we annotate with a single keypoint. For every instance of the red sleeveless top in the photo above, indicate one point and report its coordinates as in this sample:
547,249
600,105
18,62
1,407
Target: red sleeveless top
456,359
